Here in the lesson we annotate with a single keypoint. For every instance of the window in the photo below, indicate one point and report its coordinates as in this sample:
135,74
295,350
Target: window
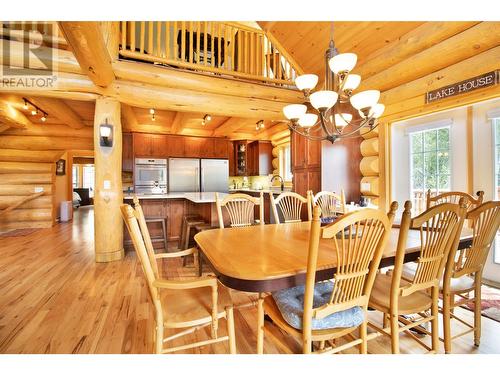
496,132
430,164
286,163
75,176
88,178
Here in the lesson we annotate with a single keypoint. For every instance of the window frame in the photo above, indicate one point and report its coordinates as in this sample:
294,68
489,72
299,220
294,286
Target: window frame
282,162
496,244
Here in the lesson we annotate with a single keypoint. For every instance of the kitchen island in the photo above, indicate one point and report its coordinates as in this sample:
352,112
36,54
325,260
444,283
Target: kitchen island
173,207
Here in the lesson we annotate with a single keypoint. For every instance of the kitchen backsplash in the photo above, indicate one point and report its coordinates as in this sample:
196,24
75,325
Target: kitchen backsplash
254,182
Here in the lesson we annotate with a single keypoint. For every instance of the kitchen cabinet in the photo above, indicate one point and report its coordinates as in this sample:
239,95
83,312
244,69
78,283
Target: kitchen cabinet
221,148
241,158
232,158
260,158
127,153
142,145
175,146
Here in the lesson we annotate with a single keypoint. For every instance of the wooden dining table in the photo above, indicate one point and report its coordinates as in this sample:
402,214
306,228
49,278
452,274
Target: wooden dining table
267,258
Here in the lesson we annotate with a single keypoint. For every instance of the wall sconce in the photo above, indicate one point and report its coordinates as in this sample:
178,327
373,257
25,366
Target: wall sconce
106,135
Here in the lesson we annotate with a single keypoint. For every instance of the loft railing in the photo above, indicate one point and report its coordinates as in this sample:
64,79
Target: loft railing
213,47
45,33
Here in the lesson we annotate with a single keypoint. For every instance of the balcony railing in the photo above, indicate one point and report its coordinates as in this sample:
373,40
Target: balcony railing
214,47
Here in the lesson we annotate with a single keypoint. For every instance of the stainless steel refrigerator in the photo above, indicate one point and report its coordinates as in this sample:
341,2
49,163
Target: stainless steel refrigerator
215,175
183,175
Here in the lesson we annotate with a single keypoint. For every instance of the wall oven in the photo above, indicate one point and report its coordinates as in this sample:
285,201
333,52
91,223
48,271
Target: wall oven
150,176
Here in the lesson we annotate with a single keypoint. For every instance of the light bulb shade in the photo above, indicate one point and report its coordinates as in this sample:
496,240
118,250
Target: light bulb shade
106,135
294,111
352,82
343,62
342,120
377,110
323,99
308,119
306,81
365,99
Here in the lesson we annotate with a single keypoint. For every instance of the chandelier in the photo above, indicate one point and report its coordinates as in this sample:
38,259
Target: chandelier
335,112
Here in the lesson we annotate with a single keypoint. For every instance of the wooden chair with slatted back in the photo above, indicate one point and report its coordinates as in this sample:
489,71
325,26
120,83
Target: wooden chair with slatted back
331,204
290,205
464,271
454,197
358,240
185,305
240,208
439,229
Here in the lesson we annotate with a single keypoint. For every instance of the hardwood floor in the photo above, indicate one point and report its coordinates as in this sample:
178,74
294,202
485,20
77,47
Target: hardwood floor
56,299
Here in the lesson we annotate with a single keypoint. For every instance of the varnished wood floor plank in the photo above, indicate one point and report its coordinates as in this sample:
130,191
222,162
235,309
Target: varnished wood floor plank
55,299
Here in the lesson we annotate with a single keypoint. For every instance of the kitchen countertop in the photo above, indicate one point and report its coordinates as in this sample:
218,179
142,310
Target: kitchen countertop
202,197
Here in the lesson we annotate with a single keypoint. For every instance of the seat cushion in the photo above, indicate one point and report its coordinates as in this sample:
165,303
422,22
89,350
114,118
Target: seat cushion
290,302
457,284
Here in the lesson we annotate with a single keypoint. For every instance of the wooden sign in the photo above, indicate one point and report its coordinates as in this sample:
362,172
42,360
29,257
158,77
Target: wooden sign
484,80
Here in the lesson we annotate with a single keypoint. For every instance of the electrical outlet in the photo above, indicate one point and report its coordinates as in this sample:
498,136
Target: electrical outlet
38,189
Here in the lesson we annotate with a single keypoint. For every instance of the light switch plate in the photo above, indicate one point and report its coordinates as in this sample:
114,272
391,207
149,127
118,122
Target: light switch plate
107,184
38,189
365,186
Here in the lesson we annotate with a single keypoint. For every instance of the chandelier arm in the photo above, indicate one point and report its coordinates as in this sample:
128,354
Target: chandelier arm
309,136
321,116
359,128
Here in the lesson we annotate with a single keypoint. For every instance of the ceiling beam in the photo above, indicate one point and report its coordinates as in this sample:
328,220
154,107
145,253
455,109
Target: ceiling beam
176,126
413,42
60,110
229,126
87,43
4,127
12,117
471,42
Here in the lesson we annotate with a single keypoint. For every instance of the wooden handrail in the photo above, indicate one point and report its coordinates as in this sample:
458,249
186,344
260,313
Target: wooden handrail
21,202
215,47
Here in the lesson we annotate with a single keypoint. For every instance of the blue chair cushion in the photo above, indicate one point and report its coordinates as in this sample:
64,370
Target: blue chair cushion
290,302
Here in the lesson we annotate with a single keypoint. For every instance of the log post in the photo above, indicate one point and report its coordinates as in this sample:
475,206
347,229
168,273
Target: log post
108,224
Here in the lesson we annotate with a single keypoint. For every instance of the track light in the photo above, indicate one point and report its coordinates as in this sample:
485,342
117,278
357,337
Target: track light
25,106
34,111
152,111
259,125
44,117
153,118
206,119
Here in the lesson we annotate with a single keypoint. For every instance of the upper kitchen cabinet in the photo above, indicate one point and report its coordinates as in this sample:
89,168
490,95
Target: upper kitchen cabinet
197,147
260,158
127,153
221,149
175,146
142,145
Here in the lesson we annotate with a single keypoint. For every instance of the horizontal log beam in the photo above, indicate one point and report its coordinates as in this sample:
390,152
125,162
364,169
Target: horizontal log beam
4,127
87,43
481,37
175,78
22,36
22,167
413,42
7,155
44,201
28,214
48,130
23,178
45,143
24,189
471,67
128,117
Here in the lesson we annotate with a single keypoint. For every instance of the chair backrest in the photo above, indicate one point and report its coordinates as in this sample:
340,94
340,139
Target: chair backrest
484,220
130,217
290,205
331,204
141,220
439,228
358,240
240,208
454,197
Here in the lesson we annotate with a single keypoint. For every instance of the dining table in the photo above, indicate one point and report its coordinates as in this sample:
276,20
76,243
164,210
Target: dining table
267,258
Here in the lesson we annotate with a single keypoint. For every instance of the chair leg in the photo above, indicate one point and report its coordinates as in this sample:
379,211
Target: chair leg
159,338
363,347
200,263
447,322
435,319
164,228
477,312
385,319
394,333
260,324
230,330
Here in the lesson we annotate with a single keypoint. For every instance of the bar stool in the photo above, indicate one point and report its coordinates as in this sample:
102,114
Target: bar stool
163,236
188,224
200,228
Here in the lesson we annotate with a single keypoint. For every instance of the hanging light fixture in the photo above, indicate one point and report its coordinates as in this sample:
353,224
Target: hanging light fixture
259,125
206,119
335,112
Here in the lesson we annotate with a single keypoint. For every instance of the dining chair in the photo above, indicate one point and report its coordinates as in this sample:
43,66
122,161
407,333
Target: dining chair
240,208
454,197
185,305
396,297
290,206
324,311
464,271
331,204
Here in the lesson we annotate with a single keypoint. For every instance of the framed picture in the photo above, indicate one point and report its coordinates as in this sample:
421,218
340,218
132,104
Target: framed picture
61,167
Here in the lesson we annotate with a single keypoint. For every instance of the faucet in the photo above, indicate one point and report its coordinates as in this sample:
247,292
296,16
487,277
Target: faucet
281,179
